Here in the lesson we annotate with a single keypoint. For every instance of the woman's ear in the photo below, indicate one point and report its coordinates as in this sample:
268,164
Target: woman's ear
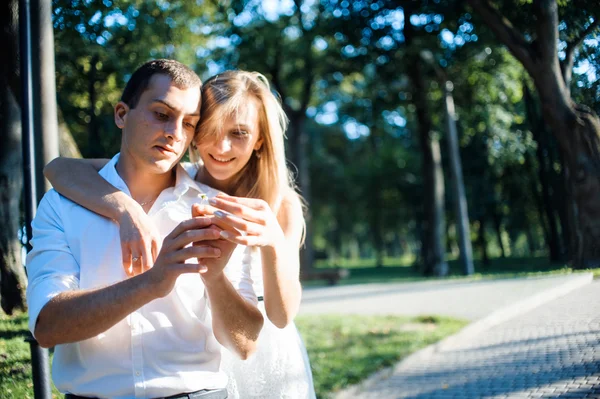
121,110
258,144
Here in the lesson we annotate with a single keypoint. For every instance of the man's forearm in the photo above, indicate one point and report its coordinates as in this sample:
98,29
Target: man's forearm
78,315
236,322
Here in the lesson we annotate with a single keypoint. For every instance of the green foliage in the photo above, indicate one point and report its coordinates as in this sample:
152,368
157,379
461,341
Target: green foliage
342,66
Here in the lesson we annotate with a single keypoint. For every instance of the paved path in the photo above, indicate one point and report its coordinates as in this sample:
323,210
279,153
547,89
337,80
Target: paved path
551,351
467,300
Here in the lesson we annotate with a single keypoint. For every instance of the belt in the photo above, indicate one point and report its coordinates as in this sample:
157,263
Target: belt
202,394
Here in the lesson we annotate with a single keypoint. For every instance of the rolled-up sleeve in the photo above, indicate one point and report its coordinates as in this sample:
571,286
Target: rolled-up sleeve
51,267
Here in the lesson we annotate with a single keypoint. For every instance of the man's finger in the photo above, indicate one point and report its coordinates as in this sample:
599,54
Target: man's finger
136,262
126,255
155,250
194,252
190,236
190,224
202,210
147,258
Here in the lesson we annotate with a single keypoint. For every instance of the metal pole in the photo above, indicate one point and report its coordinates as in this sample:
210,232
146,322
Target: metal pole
39,355
460,198
458,188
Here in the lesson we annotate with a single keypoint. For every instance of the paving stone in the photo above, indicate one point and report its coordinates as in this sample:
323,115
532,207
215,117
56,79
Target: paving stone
552,351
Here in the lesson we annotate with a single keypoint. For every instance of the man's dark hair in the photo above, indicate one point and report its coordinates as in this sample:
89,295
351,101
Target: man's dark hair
182,76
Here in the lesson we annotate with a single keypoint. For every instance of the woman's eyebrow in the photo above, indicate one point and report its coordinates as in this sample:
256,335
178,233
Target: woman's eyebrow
242,126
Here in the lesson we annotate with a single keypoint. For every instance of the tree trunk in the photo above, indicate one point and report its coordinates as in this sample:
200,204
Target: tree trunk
482,241
576,127
433,248
12,274
433,201
577,130
564,201
530,240
498,228
544,173
298,143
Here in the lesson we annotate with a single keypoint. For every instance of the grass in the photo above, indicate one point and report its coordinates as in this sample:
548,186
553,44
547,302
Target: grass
342,350
364,271
15,359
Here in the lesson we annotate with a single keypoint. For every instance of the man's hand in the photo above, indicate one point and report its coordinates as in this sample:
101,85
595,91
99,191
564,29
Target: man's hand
176,249
140,242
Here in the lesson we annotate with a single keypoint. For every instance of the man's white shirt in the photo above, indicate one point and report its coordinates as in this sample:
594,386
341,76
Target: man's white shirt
164,348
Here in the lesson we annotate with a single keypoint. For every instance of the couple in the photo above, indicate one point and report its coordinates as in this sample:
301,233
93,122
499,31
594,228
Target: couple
141,293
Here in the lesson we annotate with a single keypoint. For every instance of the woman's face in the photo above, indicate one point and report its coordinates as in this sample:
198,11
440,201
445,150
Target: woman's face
227,152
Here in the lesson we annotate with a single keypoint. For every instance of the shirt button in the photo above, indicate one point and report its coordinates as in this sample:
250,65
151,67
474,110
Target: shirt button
137,373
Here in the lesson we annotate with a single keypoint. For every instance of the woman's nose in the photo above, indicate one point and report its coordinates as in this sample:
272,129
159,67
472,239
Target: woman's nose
223,144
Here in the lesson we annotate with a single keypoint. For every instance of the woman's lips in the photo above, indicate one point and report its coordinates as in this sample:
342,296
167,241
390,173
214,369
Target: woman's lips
220,159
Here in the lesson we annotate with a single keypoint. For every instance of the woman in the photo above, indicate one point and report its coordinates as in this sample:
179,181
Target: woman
238,150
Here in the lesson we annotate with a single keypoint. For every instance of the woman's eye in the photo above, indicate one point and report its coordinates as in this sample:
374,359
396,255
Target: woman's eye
190,125
240,133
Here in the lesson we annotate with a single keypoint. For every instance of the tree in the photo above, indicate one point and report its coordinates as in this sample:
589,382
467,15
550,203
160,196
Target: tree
576,127
12,275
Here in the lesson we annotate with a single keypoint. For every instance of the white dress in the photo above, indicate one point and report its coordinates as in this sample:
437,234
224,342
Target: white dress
280,368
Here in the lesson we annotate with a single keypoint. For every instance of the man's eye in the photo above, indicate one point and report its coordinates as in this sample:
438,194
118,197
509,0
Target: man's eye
161,116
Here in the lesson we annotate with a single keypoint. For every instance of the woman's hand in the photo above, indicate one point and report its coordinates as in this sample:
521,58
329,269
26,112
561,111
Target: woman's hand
252,218
213,266
140,242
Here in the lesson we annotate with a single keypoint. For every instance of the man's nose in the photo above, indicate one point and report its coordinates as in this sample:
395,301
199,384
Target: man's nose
174,130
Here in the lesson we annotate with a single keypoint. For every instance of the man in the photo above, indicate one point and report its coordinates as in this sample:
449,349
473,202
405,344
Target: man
152,335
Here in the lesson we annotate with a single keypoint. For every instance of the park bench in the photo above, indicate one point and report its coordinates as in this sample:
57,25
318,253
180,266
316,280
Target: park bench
332,276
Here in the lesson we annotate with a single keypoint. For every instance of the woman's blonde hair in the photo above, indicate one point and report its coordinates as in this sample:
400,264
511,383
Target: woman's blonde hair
266,175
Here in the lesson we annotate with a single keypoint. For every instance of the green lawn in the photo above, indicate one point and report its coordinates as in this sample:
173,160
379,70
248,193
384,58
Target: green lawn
342,350
15,358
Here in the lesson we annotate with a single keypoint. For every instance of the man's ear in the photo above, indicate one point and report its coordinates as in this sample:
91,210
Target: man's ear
121,111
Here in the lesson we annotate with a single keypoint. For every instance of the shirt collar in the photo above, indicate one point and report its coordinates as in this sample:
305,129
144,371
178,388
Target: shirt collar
183,181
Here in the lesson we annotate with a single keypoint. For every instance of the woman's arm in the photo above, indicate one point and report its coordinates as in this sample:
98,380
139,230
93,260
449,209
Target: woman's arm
281,265
278,237
78,180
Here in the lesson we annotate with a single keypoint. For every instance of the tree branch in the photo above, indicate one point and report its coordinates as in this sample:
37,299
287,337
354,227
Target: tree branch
505,31
567,65
275,71
546,28
309,76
